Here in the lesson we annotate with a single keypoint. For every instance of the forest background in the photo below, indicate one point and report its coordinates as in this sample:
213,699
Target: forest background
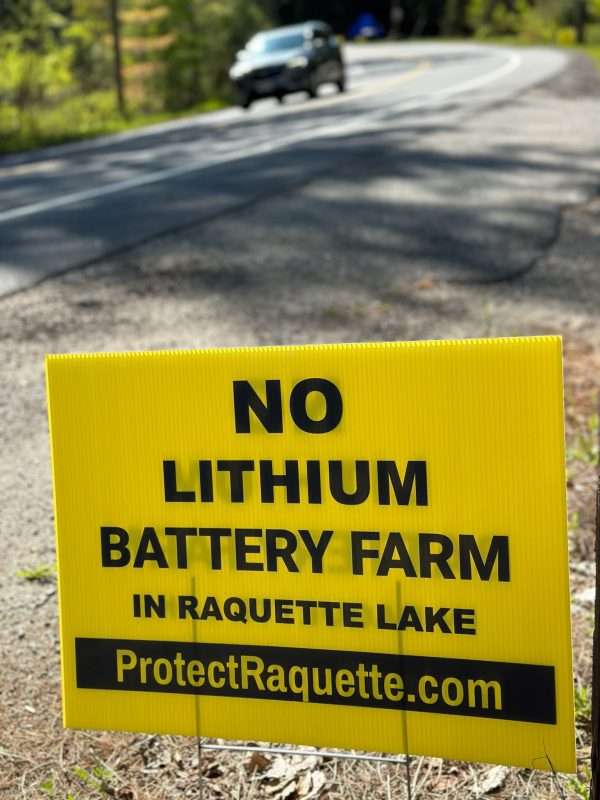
76,68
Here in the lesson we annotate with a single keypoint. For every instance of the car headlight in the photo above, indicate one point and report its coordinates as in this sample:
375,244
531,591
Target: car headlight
238,70
297,63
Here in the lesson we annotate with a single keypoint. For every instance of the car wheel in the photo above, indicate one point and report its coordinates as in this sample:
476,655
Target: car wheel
313,86
279,98
341,85
246,100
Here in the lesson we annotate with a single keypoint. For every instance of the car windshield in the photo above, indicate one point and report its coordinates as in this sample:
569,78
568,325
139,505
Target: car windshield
273,43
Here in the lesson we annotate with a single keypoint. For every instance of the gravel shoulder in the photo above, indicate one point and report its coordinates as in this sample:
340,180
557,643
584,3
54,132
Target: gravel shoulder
340,258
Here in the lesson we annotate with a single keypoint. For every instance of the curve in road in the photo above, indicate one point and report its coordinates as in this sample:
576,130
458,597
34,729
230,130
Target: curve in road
74,204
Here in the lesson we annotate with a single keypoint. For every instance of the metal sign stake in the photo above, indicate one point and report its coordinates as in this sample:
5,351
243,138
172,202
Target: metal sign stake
595,753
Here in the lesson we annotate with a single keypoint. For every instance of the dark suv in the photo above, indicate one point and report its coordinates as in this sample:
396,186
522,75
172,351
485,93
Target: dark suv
291,59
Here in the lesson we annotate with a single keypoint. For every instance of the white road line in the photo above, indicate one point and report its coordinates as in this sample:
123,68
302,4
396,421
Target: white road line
514,61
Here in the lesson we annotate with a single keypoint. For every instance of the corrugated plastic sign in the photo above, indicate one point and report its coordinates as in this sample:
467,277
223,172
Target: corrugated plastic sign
360,546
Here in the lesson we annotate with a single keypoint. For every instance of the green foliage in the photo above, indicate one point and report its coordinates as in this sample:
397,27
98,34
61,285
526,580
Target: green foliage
454,21
536,24
42,573
47,57
565,37
493,17
580,784
207,34
56,81
91,62
32,75
48,787
76,118
57,77
584,448
593,51
96,779
530,20
574,522
583,705
593,32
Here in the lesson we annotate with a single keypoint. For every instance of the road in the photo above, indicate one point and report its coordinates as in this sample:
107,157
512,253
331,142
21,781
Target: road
71,205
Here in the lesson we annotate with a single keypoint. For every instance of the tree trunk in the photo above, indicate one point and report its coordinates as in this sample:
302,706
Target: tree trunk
490,7
117,60
580,20
396,18
454,20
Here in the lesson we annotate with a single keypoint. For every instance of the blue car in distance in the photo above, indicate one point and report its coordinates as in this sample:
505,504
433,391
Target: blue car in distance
366,26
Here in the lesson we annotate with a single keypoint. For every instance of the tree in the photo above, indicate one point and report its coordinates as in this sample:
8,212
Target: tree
206,36
89,37
36,64
146,37
580,20
455,18
115,25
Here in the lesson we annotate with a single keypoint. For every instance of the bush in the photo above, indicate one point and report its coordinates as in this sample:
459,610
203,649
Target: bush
534,27
31,76
73,118
593,33
530,20
565,37
92,55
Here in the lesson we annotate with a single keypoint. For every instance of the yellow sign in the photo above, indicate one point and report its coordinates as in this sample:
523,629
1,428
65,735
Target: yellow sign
360,546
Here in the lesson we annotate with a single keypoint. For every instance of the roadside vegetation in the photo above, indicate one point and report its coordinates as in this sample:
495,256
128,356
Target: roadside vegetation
569,24
71,69
58,76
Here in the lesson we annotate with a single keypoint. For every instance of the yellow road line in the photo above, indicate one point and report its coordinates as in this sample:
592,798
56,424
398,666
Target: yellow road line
405,77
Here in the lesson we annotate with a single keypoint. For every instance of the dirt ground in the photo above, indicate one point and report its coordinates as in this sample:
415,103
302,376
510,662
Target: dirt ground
152,298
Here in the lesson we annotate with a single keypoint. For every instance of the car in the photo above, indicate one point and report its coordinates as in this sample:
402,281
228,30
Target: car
289,59
366,26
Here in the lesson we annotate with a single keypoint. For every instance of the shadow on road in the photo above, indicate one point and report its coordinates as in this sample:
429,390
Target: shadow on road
327,224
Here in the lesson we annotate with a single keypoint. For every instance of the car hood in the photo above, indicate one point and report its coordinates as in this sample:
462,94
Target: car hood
271,59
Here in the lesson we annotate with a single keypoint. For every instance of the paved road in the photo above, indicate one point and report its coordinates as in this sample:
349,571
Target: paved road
70,205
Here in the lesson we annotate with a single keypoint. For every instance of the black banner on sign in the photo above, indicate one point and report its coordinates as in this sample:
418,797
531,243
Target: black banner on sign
521,692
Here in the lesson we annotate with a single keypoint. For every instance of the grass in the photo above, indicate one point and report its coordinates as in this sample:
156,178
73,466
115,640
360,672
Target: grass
591,50
43,573
95,782
585,445
78,118
580,786
583,705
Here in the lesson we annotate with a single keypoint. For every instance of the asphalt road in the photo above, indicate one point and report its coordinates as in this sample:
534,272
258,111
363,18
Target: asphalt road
71,205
